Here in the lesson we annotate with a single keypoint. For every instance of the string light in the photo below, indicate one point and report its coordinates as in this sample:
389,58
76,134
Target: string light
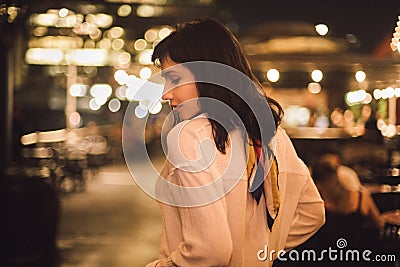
394,44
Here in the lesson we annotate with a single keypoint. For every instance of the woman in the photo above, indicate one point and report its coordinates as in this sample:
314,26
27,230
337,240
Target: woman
348,209
217,209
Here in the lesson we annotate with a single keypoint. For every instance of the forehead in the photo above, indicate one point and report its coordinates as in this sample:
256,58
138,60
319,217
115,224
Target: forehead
167,62
168,66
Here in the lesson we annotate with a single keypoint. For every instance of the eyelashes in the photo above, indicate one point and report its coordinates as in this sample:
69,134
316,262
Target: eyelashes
176,81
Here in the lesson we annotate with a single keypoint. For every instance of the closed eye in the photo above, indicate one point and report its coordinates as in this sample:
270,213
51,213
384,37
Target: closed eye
176,81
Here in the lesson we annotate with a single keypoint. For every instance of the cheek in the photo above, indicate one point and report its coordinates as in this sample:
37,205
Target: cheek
185,92
192,91
168,87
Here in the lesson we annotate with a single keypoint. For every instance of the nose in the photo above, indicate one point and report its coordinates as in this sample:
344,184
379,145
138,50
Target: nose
167,94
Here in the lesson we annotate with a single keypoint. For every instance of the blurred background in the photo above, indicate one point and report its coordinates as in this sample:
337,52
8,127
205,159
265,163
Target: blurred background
71,68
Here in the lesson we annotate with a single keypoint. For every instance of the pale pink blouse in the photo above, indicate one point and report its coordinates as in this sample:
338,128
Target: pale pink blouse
222,225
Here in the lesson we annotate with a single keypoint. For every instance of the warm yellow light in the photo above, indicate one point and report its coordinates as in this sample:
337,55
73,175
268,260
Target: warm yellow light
317,75
117,44
46,20
93,104
40,31
314,88
121,92
101,100
87,57
75,119
116,32
390,92
147,11
348,115
52,136
78,90
124,10
101,90
397,92
145,57
103,20
90,18
114,105
337,118
63,12
384,94
360,76
356,97
121,77
57,42
140,44
89,44
54,19
145,73
104,44
296,116
380,124
164,32
44,56
377,94
124,58
95,34
322,29
85,28
391,130
367,99
273,75
29,139
151,35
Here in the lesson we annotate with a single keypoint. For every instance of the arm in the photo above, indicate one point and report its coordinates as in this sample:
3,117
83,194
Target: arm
204,224
309,215
370,210
205,230
302,210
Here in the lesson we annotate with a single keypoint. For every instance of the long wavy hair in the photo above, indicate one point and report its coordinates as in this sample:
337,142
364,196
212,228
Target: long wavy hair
209,40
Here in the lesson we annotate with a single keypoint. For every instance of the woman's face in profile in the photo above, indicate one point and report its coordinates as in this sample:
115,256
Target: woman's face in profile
180,88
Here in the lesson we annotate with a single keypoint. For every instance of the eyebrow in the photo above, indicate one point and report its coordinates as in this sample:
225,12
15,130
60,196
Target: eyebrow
167,73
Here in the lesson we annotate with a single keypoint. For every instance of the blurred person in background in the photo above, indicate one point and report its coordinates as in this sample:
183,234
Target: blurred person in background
346,176
349,209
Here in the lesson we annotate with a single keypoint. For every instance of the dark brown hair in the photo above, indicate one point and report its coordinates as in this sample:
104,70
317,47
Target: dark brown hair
208,40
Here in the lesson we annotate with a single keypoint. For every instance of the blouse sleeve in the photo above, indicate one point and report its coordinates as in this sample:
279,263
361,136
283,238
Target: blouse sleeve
309,215
203,215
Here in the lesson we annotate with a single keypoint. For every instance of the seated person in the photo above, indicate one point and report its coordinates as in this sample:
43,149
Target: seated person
346,210
347,176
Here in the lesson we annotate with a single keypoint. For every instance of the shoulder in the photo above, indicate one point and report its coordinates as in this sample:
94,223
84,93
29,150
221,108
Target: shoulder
288,160
344,170
189,130
186,140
